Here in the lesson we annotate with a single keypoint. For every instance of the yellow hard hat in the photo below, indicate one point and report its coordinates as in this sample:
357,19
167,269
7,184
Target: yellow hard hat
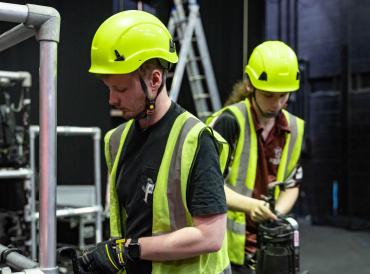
127,39
273,67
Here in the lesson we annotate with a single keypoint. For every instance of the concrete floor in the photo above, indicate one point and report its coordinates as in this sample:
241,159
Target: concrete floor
330,250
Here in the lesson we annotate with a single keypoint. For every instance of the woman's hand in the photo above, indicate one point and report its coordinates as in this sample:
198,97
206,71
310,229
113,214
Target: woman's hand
260,211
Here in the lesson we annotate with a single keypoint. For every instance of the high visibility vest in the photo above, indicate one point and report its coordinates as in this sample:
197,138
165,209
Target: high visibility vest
170,212
242,173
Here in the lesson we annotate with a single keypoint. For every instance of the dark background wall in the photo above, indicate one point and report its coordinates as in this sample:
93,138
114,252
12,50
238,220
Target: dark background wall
331,39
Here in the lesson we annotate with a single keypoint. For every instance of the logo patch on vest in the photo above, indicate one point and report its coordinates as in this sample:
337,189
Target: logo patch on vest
148,189
276,159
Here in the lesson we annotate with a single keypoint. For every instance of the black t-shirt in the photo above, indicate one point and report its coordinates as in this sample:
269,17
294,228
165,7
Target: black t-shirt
137,172
228,127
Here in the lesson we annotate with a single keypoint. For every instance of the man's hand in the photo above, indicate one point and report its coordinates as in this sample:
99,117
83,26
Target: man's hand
260,211
106,257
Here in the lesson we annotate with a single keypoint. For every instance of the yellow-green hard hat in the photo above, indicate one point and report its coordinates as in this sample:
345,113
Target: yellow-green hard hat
273,67
127,39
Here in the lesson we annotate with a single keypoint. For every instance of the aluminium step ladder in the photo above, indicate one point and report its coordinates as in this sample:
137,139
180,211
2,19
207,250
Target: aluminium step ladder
189,29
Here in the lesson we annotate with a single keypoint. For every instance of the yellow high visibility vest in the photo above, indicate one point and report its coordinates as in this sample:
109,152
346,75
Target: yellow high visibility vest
170,211
243,168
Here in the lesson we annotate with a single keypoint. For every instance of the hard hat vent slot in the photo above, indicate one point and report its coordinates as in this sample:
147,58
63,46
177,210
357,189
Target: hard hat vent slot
263,76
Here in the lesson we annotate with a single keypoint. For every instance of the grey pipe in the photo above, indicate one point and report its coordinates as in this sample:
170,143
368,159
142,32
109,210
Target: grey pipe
14,174
25,76
14,36
48,20
33,194
48,150
74,131
69,212
97,177
16,260
13,13
29,271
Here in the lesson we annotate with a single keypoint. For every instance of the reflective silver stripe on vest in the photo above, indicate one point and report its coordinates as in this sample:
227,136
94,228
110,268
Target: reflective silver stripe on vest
240,189
235,227
177,210
227,270
114,142
241,186
293,139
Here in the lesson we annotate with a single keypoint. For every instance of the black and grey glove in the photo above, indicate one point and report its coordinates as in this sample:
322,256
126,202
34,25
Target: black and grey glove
106,257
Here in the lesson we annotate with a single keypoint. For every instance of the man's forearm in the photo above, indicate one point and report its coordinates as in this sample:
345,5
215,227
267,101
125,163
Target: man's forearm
207,235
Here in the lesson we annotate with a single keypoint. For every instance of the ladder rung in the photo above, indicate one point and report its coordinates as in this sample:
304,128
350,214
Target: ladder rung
201,96
197,77
180,21
180,39
196,58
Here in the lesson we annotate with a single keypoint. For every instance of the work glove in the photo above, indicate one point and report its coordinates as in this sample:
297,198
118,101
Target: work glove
67,252
105,258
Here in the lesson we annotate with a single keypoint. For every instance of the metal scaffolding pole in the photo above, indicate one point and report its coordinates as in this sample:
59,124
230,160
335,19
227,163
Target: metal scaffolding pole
13,13
48,152
14,36
46,23
23,76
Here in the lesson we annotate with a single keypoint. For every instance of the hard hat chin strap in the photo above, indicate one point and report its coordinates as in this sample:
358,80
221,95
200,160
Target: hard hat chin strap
149,102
